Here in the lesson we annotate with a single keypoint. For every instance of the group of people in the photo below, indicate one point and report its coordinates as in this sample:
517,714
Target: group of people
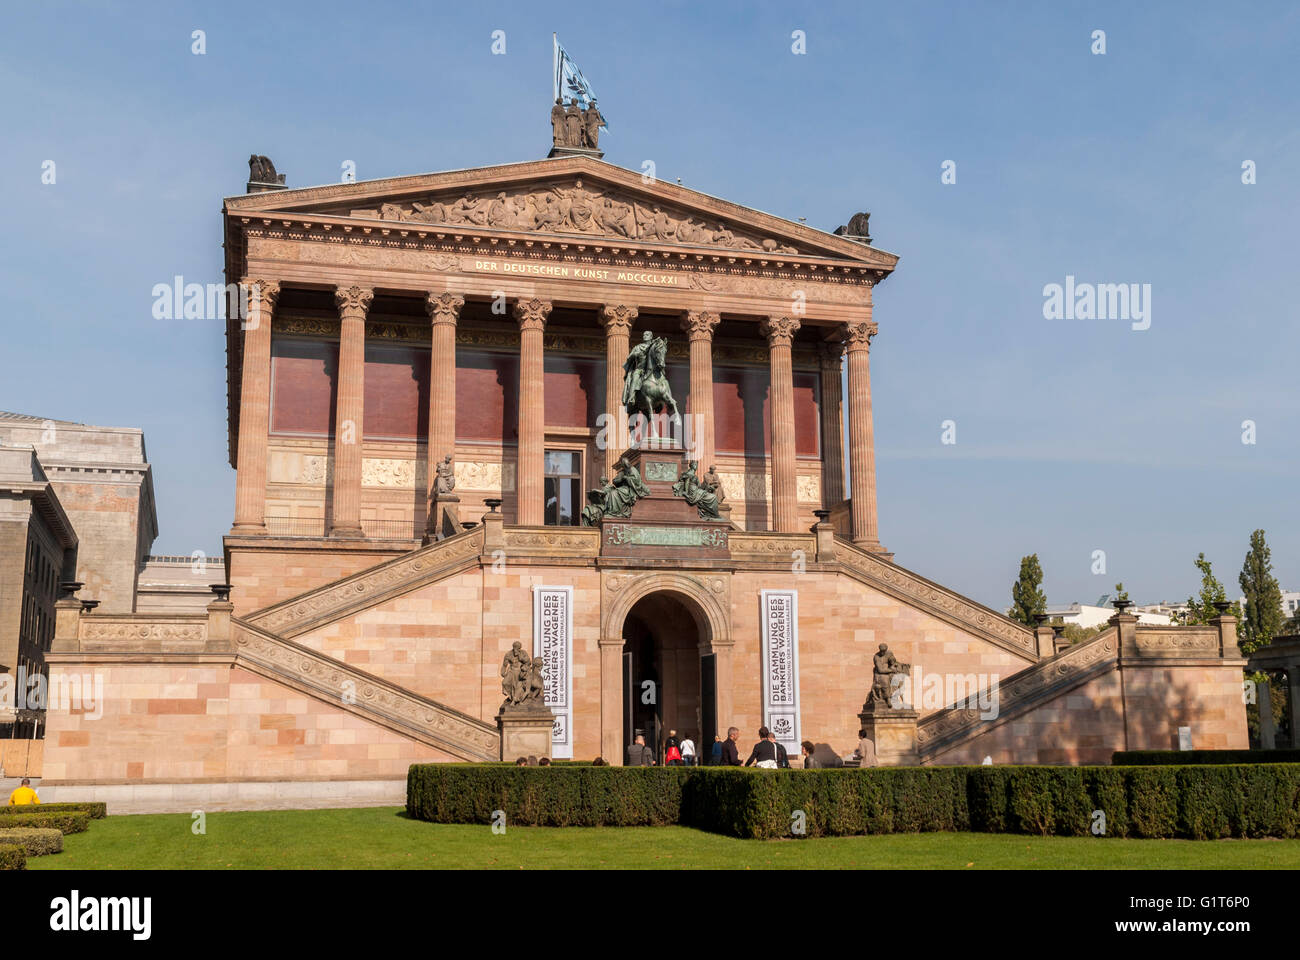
767,753
678,751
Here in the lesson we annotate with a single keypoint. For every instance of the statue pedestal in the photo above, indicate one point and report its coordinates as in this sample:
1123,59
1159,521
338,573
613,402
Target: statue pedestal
893,731
525,733
559,151
444,518
662,525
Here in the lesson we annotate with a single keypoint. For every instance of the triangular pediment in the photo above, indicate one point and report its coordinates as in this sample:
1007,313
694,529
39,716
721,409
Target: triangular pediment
565,197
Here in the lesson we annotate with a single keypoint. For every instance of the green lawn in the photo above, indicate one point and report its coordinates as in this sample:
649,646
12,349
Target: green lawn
384,838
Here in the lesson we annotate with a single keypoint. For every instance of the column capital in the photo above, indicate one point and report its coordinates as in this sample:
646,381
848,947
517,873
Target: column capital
353,301
532,314
262,292
443,307
858,334
617,317
700,324
779,331
830,353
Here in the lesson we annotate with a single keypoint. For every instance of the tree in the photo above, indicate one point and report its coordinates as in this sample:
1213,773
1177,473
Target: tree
1201,610
1261,620
1027,597
1120,592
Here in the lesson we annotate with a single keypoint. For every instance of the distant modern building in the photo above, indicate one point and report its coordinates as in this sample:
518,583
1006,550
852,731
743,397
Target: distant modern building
1086,615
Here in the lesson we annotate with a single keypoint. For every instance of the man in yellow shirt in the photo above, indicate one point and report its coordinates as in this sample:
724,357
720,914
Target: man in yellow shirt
24,795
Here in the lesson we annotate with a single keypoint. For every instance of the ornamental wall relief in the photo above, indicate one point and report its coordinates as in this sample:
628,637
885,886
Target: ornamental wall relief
572,207
758,487
393,473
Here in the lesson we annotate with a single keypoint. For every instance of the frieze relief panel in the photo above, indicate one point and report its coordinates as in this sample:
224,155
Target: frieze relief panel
758,487
485,475
572,207
388,473
393,473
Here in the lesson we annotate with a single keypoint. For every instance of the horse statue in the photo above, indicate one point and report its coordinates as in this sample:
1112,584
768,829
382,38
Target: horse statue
645,381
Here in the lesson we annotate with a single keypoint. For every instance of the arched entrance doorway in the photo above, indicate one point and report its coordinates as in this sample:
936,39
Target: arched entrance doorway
669,673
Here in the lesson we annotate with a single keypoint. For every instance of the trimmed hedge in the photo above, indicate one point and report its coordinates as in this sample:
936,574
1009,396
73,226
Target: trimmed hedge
96,811
1198,801
1182,758
35,841
12,857
63,822
557,796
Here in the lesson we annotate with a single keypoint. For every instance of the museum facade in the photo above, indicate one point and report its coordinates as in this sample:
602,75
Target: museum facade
427,384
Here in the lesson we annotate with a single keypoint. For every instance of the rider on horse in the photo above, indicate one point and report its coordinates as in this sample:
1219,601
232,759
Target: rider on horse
645,382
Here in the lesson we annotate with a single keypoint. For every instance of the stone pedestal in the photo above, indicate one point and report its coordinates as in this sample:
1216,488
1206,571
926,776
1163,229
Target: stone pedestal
525,733
893,731
662,525
444,518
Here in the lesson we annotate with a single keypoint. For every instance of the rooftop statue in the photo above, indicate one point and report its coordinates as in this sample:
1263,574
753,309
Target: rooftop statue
262,170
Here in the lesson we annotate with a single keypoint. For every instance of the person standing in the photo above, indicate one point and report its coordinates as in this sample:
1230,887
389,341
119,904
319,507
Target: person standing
730,753
688,750
809,753
782,757
672,750
764,754
638,754
715,752
866,752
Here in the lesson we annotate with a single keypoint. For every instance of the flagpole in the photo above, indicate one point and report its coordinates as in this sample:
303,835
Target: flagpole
555,65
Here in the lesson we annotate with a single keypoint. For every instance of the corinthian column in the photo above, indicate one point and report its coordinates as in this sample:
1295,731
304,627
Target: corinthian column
618,325
862,453
444,310
699,327
780,333
831,357
254,407
530,485
349,419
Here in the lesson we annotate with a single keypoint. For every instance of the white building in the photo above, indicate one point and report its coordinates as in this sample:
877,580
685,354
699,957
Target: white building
1087,615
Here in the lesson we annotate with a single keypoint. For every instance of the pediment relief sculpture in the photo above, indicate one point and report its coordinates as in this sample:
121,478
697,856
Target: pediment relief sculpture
574,208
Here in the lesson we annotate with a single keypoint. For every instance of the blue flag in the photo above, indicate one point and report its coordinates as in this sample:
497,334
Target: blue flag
569,82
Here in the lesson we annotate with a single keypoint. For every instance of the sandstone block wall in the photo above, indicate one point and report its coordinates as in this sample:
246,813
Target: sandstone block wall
170,722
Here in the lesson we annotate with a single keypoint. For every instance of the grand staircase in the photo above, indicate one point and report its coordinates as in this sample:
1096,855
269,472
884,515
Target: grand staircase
263,645
1018,694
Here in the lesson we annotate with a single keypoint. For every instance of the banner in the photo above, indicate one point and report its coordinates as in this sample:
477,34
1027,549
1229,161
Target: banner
781,667
553,642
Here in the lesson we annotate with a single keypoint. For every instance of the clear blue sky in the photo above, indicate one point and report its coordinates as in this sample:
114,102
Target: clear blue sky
1072,435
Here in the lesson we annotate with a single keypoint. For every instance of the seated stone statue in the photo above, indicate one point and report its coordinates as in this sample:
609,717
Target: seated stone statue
595,508
701,495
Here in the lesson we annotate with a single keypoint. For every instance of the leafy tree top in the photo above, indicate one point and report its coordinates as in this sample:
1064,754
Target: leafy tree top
1027,597
1261,618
